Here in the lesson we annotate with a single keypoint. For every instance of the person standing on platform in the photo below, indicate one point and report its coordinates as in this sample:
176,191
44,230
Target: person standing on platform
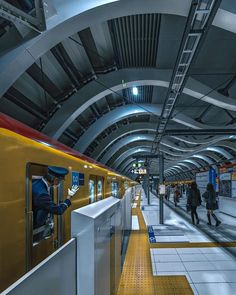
211,204
194,200
176,196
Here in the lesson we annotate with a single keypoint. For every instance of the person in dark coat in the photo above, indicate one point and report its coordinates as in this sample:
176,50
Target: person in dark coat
211,204
43,206
194,200
176,196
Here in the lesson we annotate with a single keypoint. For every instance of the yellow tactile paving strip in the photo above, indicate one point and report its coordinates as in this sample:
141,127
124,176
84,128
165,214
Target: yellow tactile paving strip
193,245
137,278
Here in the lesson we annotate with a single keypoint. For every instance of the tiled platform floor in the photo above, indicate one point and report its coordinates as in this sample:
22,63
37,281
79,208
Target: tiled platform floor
209,270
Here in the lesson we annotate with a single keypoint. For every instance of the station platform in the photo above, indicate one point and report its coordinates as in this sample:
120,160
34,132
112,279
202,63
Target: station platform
226,232
174,258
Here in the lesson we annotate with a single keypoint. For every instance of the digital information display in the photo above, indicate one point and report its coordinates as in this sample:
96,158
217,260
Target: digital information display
139,171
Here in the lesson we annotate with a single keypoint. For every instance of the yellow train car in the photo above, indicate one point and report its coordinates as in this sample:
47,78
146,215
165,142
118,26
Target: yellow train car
25,155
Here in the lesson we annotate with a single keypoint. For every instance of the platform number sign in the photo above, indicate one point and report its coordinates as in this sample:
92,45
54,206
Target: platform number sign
75,178
152,238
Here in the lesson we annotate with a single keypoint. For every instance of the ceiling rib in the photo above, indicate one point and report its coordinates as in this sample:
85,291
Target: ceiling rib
211,132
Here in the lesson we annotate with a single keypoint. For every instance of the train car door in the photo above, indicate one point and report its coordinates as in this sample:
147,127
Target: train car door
42,241
92,189
115,189
100,188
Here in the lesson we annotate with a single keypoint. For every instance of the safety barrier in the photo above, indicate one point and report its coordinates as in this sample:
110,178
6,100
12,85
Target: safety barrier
90,263
55,275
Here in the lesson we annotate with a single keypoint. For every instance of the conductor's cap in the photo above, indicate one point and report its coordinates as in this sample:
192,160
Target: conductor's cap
58,171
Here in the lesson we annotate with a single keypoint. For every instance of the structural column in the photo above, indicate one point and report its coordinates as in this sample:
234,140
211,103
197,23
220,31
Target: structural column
161,180
148,184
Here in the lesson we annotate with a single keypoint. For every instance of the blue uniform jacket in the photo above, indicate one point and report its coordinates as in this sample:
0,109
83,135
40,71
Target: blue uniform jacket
43,203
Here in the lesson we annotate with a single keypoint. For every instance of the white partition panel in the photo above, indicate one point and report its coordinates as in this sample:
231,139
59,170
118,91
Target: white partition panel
97,228
126,210
55,275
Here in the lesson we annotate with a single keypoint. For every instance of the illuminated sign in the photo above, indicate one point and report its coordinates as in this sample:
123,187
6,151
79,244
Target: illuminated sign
137,165
162,189
139,171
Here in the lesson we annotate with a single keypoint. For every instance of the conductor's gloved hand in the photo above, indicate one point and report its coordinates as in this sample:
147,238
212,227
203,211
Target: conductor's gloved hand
73,190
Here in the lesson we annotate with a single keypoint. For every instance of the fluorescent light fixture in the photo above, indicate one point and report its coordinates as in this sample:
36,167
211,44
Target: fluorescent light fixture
135,90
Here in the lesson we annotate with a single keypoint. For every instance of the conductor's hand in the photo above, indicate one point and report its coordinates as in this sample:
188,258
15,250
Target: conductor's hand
73,190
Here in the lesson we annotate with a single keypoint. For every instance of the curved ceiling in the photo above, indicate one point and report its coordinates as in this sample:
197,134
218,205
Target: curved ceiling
74,80
70,18
111,82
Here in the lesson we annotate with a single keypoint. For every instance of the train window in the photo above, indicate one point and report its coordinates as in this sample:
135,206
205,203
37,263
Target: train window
114,189
81,178
91,191
99,190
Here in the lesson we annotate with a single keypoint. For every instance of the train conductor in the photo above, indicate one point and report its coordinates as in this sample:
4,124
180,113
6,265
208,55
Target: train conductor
43,205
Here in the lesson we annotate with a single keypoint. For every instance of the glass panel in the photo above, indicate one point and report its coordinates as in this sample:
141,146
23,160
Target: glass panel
114,189
91,191
99,190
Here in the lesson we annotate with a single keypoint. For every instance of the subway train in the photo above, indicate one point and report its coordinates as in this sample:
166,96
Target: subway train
26,155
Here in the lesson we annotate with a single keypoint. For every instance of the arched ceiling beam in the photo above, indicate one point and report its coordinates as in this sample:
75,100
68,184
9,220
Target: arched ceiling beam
168,174
111,118
118,150
123,155
124,165
93,91
71,18
198,141
174,170
227,144
208,159
194,162
134,144
204,158
212,156
129,152
133,128
188,166
122,131
206,148
123,112
134,138
220,151
179,172
123,142
169,152
181,169
175,147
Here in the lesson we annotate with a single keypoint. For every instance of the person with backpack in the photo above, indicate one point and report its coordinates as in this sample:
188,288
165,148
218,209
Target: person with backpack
211,204
194,200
